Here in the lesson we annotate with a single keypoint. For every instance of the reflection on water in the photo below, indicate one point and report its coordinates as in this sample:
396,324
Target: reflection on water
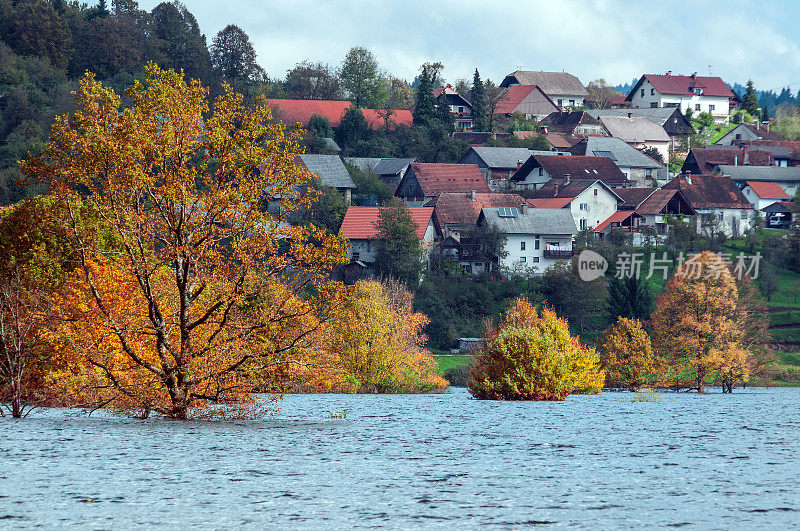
416,460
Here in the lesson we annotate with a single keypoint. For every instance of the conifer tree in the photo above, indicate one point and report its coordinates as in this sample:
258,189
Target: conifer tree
478,103
750,99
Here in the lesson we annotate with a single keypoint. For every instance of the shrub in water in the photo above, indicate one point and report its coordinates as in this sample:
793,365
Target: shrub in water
532,356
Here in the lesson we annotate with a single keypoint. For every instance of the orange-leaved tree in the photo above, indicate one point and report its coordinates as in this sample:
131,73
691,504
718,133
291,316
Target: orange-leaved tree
531,355
627,356
696,324
184,184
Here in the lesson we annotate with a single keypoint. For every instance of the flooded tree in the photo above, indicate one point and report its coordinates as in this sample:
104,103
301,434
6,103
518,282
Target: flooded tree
198,297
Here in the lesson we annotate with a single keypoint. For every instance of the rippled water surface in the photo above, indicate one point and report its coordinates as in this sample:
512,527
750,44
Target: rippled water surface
715,461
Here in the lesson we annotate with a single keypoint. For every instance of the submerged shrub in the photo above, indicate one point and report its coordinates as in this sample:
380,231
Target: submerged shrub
627,355
533,356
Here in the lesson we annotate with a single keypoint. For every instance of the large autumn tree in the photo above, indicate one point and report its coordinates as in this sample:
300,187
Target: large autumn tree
202,272
698,325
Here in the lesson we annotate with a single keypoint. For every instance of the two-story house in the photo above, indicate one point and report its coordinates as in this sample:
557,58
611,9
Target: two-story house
698,93
535,237
589,201
564,89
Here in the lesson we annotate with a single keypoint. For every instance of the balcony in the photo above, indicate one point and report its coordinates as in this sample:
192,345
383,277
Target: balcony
558,254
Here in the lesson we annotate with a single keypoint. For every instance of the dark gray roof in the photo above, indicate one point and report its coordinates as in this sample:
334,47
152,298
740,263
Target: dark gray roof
330,170
502,157
761,173
624,155
551,83
536,221
363,163
659,115
392,166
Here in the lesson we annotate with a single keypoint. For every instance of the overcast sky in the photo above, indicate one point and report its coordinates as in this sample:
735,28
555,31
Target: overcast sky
613,39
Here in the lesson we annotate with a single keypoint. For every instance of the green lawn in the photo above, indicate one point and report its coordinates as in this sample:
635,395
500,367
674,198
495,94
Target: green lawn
450,361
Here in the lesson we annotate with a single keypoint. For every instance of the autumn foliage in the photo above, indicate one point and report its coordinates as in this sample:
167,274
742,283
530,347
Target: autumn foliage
373,344
531,355
627,357
176,314
699,324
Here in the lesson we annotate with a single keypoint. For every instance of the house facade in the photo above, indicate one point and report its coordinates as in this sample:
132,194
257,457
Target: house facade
698,93
719,203
536,237
755,131
422,182
460,108
360,227
529,100
565,90
589,201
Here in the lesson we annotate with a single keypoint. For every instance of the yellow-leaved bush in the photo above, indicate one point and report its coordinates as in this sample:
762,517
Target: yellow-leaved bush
373,343
531,355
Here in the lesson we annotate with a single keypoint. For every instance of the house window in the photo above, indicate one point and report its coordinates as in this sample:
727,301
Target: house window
535,259
642,94
595,191
572,103
654,105
583,224
521,246
710,108
461,109
584,206
541,172
697,106
536,242
522,259
652,92
560,103
698,91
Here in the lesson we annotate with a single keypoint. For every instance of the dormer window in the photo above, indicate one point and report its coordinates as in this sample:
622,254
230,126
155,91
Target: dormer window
698,92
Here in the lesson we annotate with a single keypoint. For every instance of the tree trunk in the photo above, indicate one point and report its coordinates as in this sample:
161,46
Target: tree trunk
16,399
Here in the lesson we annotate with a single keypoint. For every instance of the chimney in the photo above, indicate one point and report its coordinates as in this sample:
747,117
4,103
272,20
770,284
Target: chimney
694,76
630,115
566,176
689,179
767,126
736,160
758,124
669,73
746,158
544,129
524,207
519,163
473,195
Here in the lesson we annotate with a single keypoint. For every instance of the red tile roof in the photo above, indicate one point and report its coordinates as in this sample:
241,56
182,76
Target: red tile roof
293,111
616,217
437,178
685,85
461,209
709,191
360,222
768,190
562,140
514,95
550,202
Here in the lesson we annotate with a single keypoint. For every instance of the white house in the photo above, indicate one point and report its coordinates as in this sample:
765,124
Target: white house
698,93
536,237
589,202
762,194
360,227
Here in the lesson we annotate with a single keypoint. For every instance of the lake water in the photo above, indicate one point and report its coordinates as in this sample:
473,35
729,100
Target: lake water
714,461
